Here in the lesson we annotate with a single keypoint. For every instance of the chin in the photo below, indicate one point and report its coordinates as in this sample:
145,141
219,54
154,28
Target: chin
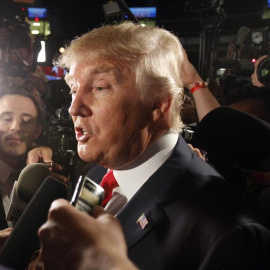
86,155
16,152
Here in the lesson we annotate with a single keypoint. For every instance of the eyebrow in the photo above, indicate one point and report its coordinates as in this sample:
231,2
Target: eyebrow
6,113
22,114
98,70
106,69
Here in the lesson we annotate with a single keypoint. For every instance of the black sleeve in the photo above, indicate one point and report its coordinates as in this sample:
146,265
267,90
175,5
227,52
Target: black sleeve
245,247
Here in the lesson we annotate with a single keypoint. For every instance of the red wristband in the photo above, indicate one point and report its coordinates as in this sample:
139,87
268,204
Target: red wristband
197,86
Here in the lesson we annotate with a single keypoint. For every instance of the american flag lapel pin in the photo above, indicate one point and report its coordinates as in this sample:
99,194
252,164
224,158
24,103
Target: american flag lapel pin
142,221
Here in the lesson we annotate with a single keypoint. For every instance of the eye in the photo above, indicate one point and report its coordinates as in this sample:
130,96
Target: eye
6,118
101,91
73,89
28,120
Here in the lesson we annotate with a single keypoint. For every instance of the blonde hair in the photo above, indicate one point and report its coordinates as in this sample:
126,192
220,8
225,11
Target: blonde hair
154,54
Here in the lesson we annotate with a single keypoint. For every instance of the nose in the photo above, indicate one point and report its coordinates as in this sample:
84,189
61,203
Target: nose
15,125
79,106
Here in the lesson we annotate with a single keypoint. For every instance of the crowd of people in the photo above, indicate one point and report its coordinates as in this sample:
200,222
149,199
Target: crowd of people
169,208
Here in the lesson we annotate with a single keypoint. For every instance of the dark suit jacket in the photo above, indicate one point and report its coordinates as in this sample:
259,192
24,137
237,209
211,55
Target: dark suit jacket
3,222
194,219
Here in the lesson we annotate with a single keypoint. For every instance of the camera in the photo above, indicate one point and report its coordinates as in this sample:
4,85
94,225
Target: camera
248,45
61,136
263,71
59,131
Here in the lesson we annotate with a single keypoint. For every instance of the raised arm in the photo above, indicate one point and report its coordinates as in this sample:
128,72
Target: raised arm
204,99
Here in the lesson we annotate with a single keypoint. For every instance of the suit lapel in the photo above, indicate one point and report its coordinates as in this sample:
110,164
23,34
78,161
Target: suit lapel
160,189
140,206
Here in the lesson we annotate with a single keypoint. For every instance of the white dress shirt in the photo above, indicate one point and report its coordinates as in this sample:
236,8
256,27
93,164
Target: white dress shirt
133,176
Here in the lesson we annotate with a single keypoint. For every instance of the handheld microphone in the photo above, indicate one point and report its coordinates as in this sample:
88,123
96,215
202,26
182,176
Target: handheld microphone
24,189
23,241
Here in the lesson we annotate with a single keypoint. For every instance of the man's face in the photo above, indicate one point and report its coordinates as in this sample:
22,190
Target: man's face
18,125
112,124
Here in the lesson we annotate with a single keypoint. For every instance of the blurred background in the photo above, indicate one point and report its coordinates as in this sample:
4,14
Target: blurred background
208,29
222,38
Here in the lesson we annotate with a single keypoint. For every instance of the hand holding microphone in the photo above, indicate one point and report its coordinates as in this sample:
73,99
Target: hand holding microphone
92,242
44,155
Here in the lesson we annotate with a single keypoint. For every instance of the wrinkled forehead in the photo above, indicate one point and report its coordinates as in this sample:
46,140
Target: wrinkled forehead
97,65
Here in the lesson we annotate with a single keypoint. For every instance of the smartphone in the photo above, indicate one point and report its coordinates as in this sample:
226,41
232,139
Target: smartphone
86,195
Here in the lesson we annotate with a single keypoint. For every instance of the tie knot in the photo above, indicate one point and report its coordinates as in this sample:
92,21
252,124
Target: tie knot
108,183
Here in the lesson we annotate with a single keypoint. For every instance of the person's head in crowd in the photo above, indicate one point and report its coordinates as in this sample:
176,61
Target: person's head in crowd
250,99
126,90
20,124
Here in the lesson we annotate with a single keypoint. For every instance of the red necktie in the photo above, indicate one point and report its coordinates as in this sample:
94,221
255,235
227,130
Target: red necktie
108,183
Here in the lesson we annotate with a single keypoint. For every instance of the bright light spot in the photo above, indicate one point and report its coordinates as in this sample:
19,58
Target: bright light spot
253,60
36,24
42,54
35,32
61,50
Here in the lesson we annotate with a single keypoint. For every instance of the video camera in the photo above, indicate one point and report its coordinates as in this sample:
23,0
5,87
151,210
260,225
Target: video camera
263,71
60,130
249,45
256,45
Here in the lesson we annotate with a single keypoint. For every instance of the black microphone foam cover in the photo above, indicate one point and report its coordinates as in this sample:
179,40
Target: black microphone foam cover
23,240
30,180
234,136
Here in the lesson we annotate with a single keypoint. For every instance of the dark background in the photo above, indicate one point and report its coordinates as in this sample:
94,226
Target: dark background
186,19
72,18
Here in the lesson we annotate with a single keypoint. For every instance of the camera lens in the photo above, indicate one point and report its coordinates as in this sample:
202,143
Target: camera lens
65,116
263,71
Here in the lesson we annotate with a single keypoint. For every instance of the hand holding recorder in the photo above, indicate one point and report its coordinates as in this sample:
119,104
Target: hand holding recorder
92,242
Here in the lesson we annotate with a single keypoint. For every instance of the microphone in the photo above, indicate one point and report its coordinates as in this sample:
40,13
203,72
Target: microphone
23,241
234,137
24,189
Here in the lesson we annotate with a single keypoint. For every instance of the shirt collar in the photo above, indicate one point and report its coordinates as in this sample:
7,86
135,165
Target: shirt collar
131,178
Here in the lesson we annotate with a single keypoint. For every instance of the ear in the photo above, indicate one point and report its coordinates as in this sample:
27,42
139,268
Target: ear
161,108
38,131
